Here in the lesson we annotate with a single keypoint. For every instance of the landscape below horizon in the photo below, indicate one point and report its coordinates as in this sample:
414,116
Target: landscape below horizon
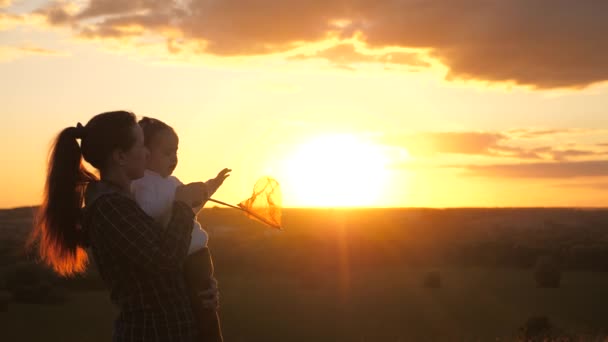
356,275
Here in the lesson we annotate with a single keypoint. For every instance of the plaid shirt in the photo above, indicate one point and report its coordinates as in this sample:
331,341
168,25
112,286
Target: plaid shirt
141,263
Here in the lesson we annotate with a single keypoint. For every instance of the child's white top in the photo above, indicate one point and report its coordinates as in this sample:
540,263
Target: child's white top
155,196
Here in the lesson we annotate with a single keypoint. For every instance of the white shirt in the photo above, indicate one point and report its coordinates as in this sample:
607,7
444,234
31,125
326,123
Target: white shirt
155,196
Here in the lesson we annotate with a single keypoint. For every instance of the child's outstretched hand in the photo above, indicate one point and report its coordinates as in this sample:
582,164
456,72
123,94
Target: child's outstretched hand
214,183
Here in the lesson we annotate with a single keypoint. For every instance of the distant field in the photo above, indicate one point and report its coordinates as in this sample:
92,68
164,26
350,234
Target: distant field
385,305
356,275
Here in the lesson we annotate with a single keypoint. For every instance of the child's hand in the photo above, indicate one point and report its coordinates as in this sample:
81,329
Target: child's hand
214,183
221,176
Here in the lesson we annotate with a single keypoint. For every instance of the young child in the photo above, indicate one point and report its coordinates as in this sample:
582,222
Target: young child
155,194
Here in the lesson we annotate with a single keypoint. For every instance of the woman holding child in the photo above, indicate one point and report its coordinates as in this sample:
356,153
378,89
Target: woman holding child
146,262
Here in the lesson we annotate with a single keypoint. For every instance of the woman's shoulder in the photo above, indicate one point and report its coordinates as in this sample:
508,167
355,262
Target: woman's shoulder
104,206
101,195
98,189
115,198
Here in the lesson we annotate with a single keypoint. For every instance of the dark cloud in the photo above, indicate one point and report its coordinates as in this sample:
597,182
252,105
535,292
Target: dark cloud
598,168
56,14
541,43
545,44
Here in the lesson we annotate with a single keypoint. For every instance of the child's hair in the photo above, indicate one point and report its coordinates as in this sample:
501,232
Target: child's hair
152,127
58,225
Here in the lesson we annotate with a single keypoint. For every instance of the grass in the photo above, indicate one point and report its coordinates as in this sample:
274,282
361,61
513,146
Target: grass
383,305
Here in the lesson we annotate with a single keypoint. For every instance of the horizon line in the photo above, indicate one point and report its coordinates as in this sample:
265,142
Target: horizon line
386,208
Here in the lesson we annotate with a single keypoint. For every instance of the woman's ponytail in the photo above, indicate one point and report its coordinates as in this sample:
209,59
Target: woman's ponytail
58,226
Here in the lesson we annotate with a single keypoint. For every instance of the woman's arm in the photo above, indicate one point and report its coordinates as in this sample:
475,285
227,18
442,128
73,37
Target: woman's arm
138,239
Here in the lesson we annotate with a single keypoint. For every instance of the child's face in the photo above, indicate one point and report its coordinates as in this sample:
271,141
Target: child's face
163,153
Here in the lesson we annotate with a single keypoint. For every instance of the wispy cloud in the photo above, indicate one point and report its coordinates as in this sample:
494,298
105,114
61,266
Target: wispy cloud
507,144
581,185
596,168
346,54
537,133
9,53
8,21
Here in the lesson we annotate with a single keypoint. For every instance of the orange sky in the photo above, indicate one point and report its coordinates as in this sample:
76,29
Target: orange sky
345,103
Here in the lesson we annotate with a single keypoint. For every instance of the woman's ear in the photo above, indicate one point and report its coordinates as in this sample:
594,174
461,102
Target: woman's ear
119,157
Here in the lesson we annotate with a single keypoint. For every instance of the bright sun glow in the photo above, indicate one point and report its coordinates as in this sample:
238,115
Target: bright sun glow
336,171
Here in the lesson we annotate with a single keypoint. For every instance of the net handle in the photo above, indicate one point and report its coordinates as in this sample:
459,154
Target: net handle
247,211
226,204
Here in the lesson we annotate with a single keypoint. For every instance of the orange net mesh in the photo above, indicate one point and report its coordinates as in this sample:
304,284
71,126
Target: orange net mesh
265,203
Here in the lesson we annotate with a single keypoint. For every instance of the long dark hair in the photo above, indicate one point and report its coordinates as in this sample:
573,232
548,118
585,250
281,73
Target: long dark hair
58,225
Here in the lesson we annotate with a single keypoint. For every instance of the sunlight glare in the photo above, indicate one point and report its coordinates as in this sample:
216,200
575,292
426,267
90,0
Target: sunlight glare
336,171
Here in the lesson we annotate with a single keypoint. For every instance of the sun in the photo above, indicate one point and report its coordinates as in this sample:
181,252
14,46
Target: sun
338,170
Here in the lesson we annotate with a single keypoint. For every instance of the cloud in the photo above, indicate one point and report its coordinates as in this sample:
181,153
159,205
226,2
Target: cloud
545,152
450,142
9,53
593,185
346,54
596,168
57,13
490,144
5,3
538,133
8,21
541,43
572,153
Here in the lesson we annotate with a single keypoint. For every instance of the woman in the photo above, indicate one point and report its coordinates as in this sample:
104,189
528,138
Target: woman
139,261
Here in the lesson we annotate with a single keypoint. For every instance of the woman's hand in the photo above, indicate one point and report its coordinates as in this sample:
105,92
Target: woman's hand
210,297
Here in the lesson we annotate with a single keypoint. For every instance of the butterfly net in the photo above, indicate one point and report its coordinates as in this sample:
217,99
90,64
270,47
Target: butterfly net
264,204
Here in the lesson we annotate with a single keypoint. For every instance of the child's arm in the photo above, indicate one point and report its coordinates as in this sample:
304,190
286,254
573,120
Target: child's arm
195,207
198,206
211,187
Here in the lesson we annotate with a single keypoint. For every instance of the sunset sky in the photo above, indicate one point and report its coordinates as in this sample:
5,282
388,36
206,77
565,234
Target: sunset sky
346,103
